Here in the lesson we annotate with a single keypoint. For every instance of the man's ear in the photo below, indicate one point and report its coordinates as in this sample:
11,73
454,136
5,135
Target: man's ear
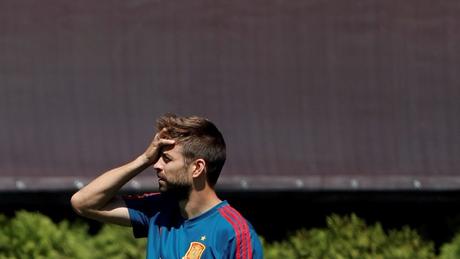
199,167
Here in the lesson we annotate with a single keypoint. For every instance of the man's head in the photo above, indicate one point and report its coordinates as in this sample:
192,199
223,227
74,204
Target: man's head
199,139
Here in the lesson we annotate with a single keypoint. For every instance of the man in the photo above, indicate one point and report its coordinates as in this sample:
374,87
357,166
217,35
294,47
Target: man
186,219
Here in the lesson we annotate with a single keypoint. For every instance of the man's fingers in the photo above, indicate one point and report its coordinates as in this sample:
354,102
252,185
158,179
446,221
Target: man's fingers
161,134
163,131
164,142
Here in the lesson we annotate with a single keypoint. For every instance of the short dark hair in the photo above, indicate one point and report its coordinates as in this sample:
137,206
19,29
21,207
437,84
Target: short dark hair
199,138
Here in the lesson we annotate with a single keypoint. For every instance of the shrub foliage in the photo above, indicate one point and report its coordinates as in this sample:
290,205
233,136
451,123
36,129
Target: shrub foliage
451,250
350,237
33,235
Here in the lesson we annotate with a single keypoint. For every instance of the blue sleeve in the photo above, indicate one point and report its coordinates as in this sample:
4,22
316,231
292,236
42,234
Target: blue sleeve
257,249
141,209
254,251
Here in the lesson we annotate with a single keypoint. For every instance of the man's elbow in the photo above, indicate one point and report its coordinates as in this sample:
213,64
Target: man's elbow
78,204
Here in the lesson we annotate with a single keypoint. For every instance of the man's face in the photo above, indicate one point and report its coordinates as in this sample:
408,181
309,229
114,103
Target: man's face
172,171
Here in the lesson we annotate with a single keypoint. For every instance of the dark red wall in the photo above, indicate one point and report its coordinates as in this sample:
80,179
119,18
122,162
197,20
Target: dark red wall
310,94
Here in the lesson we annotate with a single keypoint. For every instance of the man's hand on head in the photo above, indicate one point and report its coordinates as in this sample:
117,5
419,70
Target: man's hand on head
153,151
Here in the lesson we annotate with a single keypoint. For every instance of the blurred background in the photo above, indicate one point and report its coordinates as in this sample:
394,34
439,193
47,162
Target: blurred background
327,106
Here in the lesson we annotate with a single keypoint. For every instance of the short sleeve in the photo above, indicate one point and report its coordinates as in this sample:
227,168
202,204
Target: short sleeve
141,209
244,245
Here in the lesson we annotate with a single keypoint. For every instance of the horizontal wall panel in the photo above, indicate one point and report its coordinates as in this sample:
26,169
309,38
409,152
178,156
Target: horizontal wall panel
325,92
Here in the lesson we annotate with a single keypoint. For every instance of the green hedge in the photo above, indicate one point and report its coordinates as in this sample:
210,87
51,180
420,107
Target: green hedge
451,250
32,235
350,237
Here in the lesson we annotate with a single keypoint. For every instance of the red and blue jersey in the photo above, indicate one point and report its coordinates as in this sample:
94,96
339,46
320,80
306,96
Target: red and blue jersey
220,232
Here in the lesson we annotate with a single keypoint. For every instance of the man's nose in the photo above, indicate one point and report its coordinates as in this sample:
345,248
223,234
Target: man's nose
158,165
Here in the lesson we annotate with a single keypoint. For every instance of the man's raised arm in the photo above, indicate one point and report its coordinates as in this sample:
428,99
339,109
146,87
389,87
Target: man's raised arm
98,200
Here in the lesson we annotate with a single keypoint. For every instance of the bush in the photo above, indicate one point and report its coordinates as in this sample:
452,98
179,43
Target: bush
32,235
451,250
117,242
349,237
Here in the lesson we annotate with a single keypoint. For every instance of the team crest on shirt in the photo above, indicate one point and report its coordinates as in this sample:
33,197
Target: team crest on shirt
195,251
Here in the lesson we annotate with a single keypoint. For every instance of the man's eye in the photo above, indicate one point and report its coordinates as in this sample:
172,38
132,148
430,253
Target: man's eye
166,159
